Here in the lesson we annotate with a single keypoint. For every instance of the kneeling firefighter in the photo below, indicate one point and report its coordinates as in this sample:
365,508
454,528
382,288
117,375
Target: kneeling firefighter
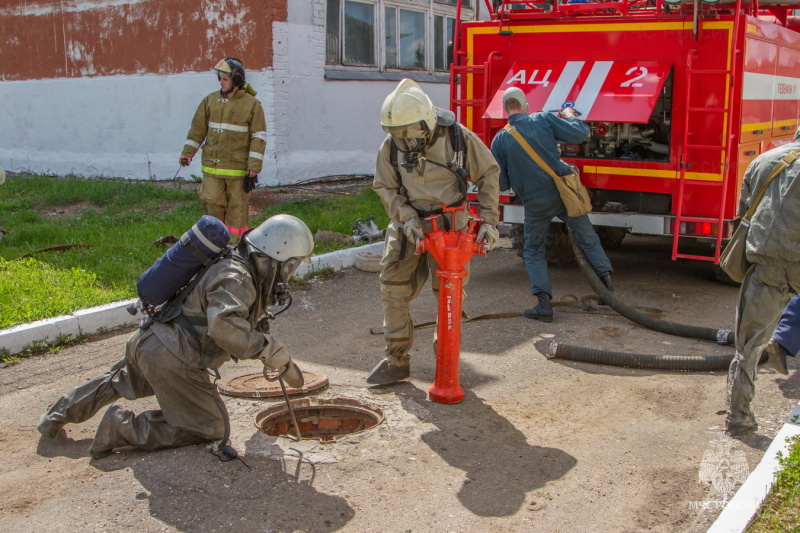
222,317
423,163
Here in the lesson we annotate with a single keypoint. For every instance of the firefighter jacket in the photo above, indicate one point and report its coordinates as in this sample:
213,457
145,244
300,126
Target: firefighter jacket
223,309
232,133
426,186
774,235
519,171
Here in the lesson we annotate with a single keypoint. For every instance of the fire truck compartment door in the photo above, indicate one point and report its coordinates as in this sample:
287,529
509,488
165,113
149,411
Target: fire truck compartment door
603,91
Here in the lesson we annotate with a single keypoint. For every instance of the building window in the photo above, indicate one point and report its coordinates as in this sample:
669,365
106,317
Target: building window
357,23
443,30
390,34
465,3
405,38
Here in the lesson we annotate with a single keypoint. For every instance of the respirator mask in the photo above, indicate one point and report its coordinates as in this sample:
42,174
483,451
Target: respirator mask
410,141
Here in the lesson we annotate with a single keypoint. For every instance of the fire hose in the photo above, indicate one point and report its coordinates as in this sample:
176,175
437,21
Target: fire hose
648,361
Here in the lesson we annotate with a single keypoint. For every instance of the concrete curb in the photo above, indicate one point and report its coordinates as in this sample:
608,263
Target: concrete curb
104,317
741,509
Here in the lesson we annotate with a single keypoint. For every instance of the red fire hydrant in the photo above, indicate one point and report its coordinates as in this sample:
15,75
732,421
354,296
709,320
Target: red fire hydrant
452,250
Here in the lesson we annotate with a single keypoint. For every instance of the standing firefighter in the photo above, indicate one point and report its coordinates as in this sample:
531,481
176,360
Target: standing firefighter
422,164
222,318
773,248
230,127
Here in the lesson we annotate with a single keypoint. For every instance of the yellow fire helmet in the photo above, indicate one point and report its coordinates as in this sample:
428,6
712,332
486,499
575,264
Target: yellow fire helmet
234,68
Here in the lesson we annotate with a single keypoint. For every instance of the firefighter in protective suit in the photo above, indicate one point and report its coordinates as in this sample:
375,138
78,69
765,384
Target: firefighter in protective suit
229,124
773,248
418,169
224,319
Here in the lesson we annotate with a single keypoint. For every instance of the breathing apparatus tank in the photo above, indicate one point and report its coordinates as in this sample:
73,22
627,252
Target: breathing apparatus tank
199,247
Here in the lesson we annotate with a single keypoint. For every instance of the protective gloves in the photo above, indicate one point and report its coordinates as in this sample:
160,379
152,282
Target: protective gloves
413,229
276,357
250,183
568,110
488,232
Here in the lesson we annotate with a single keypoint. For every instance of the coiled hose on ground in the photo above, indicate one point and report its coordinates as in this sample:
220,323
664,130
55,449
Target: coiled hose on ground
660,362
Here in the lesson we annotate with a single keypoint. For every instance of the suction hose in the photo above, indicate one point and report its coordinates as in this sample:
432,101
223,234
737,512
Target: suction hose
720,336
643,361
695,363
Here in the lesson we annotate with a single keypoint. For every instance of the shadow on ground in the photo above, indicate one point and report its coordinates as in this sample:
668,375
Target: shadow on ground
261,495
501,466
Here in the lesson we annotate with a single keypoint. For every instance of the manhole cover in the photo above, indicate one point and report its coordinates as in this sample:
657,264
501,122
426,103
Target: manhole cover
255,386
319,418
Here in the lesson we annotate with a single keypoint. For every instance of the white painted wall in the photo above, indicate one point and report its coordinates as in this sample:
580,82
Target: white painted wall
116,126
135,126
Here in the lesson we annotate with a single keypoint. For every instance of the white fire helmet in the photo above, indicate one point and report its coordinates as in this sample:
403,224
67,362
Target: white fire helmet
282,237
408,114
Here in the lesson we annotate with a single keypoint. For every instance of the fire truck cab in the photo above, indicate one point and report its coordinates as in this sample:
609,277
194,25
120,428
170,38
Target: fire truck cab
679,96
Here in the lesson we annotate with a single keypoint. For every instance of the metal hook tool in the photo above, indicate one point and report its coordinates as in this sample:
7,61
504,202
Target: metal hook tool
279,379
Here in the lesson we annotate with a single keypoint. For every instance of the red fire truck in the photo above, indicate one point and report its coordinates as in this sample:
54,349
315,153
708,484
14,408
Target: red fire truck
680,98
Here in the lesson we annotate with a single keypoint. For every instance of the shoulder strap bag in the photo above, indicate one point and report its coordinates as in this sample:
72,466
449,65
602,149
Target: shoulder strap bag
733,259
573,193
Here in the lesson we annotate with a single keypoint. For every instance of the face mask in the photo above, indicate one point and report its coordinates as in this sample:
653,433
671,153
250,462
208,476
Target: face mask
409,138
411,145
289,267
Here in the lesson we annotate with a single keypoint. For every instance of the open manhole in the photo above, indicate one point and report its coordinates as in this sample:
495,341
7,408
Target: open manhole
256,386
319,418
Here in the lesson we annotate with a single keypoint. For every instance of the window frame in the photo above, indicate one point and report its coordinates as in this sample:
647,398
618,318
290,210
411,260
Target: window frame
431,10
398,21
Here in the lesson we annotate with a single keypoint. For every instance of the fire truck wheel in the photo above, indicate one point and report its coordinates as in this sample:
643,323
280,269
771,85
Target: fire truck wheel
610,237
558,248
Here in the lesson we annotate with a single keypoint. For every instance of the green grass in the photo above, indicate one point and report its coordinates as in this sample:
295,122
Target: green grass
119,220
781,510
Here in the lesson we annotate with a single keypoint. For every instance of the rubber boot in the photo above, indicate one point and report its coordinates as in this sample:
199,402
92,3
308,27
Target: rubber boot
777,356
606,279
108,436
49,428
543,310
386,372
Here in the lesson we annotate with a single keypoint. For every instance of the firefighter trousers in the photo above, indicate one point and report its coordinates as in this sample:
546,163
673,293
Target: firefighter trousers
403,275
225,199
537,226
191,411
765,291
